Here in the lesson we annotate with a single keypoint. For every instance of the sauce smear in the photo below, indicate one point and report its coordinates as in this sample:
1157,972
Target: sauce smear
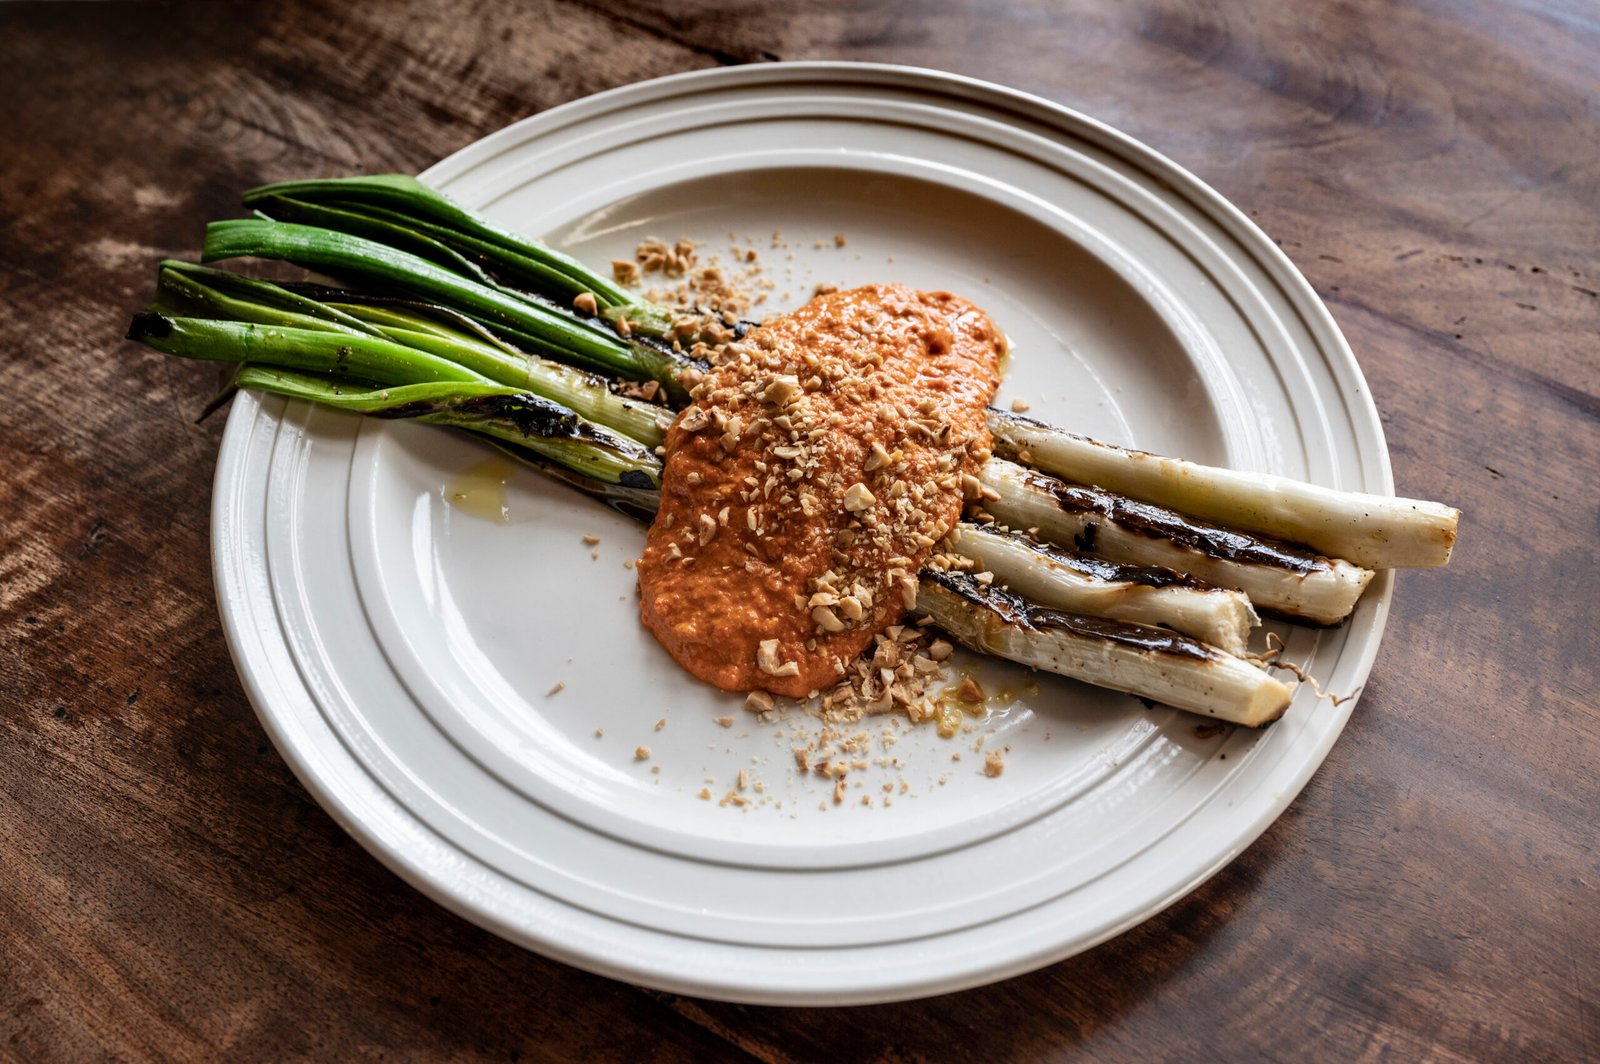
823,458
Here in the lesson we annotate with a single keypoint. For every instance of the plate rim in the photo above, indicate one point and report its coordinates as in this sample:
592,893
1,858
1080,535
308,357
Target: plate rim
1354,396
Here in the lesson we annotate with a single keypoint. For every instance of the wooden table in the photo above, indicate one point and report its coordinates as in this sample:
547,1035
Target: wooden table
168,890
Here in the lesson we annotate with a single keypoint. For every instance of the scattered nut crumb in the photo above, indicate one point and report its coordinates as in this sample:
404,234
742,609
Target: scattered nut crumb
1020,405
662,723
561,685
641,753
993,764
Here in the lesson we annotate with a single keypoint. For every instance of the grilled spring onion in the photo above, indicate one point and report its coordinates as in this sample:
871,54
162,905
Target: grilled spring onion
1148,662
1368,530
417,343
521,418
1060,580
1376,531
1276,577
339,370
530,323
186,290
400,210
404,381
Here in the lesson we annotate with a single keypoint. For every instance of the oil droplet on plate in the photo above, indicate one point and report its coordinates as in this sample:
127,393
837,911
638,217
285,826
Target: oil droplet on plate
481,491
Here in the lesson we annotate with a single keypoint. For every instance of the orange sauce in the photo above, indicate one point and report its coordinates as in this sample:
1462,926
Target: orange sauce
823,458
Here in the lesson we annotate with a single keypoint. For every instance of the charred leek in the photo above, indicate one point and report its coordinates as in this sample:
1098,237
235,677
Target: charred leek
1149,662
404,360
1061,580
496,264
1376,531
1276,577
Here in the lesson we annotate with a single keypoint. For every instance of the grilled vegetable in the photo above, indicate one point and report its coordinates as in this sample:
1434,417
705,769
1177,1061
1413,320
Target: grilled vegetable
1283,579
454,314
187,290
427,363
521,418
376,376
1061,580
401,211
532,324
1149,662
1376,531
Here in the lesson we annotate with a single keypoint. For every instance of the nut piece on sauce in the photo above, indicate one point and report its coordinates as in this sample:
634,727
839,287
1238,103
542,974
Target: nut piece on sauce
828,448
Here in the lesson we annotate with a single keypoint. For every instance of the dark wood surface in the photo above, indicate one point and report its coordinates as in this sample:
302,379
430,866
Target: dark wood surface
167,888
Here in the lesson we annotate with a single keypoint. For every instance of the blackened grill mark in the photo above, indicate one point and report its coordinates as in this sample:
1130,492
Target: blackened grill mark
1144,575
635,478
1140,636
148,325
1017,611
1161,523
682,360
530,414
1083,542
420,408
1008,607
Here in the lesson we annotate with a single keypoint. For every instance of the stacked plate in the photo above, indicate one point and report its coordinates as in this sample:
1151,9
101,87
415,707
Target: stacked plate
475,700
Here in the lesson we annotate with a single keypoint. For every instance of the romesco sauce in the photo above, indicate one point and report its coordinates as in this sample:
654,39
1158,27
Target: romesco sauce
823,458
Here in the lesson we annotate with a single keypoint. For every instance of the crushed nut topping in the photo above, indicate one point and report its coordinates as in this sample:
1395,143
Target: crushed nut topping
843,434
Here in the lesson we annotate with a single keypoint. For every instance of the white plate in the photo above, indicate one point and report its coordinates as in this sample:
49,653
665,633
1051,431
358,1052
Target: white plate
400,651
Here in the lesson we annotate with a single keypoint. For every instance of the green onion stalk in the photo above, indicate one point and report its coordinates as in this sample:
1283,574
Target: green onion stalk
395,359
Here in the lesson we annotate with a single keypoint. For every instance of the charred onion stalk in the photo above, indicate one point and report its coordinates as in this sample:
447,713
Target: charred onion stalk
1277,577
401,211
452,306
412,342
533,324
1149,662
325,352
1368,530
525,420
1061,580
1375,531
427,363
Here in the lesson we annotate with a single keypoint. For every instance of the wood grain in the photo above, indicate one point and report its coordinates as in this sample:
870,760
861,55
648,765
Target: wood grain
169,891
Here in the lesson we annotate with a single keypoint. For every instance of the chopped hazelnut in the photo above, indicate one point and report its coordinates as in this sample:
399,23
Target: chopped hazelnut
857,497
781,390
826,619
